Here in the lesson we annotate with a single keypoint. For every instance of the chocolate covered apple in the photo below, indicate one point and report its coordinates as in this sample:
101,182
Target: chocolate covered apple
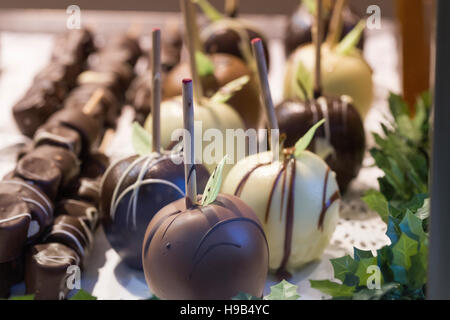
135,188
297,199
344,72
211,249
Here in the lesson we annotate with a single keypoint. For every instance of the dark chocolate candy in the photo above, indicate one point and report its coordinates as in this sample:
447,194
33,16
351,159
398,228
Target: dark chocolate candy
73,232
85,189
211,252
59,136
66,161
56,75
38,104
84,124
15,217
11,273
79,209
132,191
107,110
76,42
343,131
124,42
40,206
226,68
139,95
95,165
41,172
47,270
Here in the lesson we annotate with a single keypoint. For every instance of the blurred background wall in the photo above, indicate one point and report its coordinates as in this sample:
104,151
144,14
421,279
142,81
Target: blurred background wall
247,6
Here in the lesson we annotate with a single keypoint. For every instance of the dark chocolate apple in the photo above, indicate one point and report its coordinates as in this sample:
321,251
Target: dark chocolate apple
342,136
46,270
299,25
132,191
210,252
226,68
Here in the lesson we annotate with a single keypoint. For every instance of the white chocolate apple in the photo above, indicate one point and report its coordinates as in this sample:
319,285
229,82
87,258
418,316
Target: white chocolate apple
296,200
213,115
342,74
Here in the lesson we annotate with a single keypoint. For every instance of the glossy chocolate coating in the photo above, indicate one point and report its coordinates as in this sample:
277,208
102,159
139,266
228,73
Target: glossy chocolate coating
228,41
95,165
40,172
15,217
57,76
124,42
106,111
46,269
79,209
73,232
299,24
88,128
66,161
211,252
140,96
76,42
59,136
343,130
226,68
38,104
11,273
125,227
86,189
40,206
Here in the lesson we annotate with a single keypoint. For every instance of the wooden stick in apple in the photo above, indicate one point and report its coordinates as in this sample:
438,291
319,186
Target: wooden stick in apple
156,89
263,80
231,8
189,150
318,32
193,44
335,29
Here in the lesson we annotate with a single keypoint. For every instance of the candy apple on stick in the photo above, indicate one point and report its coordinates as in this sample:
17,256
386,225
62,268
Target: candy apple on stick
208,246
297,198
135,188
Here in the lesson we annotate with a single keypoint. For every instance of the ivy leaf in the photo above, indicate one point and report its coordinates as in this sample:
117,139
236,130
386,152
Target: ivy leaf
82,295
245,296
348,44
141,140
214,184
375,294
304,141
205,66
400,274
359,254
403,250
283,291
362,269
417,275
343,266
212,13
25,297
228,90
411,225
153,297
376,201
333,289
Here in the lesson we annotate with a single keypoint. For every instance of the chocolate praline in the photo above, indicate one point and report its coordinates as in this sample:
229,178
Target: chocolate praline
79,209
343,131
132,191
46,270
211,252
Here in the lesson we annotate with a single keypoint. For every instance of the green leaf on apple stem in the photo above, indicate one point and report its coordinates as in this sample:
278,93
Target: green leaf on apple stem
210,12
304,82
228,90
351,39
141,140
214,184
205,66
304,141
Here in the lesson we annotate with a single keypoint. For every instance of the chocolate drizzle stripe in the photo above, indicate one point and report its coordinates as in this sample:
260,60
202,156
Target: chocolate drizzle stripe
283,189
25,185
245,178
274,185
155,228
70,235
210,248
288,233
326,204
18,216
218,225
170,224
